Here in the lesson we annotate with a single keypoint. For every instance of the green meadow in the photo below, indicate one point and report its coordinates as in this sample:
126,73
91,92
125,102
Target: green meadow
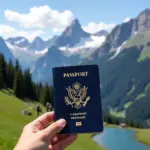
144,136
12,121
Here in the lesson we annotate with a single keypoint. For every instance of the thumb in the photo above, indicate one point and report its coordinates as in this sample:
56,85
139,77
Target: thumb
54,128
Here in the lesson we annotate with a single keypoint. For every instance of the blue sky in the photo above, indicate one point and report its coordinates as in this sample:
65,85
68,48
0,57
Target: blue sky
16,16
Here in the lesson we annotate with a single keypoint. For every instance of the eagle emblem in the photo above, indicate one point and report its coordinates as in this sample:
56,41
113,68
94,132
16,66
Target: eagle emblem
77,96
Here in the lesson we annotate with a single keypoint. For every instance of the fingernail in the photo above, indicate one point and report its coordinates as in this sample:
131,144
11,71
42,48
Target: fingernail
62,122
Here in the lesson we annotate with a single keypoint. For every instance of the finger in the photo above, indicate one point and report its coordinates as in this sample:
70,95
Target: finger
51,131
43,120
63,136
57,138
65,143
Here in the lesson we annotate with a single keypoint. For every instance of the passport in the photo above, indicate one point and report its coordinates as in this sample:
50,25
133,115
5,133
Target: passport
77,98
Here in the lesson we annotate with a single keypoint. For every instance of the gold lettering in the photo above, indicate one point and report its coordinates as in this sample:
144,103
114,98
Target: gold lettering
75,74
86,73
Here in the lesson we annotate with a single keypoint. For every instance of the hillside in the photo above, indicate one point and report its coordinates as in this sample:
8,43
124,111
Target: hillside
143,136
125,84
124,69
12,122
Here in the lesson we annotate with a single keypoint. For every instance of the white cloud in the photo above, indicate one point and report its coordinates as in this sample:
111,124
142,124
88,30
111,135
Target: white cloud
8,31
127,19
41,17
95,27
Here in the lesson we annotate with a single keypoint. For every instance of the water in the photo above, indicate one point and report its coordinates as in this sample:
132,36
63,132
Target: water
119,139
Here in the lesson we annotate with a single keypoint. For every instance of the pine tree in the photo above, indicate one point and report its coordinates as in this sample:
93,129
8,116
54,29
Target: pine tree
30,91
47,97
109,119
131,124
34,87
51,95
18,84
1,74
138,124
38,88
105,118
10,74
17,66
42,95
3,71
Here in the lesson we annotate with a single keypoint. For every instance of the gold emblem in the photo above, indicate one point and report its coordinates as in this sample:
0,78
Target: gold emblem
77,96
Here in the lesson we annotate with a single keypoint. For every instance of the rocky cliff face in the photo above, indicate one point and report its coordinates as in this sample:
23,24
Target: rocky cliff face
123,32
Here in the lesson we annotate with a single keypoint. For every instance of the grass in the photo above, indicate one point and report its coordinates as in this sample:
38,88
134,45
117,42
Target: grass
127,105
84,142
140,38
12,121
118,114
140,96
144,136
131,91
145,54
147,88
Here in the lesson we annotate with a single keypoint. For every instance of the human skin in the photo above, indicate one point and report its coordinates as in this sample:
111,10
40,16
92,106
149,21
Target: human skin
36,137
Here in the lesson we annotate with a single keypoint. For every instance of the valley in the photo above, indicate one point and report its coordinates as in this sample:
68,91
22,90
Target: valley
123,57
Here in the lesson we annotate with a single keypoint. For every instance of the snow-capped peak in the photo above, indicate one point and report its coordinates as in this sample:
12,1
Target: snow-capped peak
85,45
25,56
20,41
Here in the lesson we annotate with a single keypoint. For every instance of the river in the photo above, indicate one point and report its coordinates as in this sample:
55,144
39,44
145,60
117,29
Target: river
119,139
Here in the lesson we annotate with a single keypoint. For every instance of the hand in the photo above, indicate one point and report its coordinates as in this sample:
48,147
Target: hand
36,137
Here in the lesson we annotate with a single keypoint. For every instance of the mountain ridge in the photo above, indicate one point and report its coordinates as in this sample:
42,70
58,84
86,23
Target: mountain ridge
5,50
124,31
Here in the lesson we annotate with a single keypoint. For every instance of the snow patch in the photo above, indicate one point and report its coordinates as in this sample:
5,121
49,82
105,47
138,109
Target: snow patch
42,52
135,33
118,50
84,45
25,56
20,41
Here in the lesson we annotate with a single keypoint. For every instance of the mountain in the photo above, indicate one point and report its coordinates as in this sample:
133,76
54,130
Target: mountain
72,35
37,44
73,43
27,53
5,50
70,48
124,60
18,41
123,56
54,58
101,33
52,41
123,32
26,57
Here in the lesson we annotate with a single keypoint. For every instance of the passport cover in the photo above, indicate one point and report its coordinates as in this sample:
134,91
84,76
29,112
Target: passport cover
77,98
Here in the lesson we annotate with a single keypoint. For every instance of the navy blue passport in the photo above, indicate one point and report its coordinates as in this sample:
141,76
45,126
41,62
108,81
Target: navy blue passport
77,98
